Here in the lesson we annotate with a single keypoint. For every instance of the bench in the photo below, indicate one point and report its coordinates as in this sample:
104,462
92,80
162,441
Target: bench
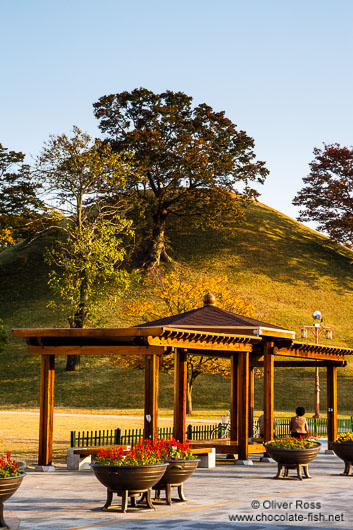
79,458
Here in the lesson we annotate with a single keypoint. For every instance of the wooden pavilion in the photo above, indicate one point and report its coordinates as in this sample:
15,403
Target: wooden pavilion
207,331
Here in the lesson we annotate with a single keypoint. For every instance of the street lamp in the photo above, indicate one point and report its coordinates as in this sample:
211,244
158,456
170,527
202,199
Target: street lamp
317,328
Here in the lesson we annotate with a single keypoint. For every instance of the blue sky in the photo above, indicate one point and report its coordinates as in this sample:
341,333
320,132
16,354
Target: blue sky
281,70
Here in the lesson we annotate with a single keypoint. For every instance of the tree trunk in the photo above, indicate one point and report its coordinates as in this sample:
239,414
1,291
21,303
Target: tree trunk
189,398
73,362
156,251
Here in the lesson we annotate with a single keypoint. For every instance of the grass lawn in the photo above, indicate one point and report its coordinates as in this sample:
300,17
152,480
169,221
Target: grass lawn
283,268
19,430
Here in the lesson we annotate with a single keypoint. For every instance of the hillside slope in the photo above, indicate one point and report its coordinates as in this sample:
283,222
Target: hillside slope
285,269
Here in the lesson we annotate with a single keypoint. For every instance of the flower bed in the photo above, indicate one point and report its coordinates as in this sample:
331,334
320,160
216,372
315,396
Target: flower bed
8,467
304,442
343,448
129,473
293,453
10,479
345,438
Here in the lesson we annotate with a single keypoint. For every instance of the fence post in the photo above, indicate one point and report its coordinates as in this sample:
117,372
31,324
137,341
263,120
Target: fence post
73,438
315,426
189,432
117,436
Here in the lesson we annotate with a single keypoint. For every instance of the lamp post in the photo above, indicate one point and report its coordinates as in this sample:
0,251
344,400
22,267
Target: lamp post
317,328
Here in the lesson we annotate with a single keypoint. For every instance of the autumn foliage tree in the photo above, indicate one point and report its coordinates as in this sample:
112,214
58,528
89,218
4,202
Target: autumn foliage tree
196,164
181,289
327,196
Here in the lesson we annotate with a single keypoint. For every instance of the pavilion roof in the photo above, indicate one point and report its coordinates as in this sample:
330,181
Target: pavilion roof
209,315
212,318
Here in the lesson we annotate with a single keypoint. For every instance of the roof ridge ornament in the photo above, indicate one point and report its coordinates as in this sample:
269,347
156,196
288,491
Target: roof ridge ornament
209,299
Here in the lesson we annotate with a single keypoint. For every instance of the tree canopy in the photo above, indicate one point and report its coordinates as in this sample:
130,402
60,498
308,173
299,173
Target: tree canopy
195,164
19,202
83,179
327,196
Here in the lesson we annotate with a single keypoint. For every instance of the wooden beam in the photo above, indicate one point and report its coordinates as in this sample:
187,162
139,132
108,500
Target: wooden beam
180,380
199,343
98,333
95,350
268,390
234,414
331,404
251,400
46,415
301,364
243,392
151,396
324,353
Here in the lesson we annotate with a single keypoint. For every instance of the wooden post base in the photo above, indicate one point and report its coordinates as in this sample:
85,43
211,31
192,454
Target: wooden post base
347,468
299,467
125,494
168,492
2,522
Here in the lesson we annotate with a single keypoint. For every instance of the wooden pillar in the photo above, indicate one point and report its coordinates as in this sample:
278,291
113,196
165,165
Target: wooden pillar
251,400
269,372
331,404
151,396
234,413
243,394
180,375
46,415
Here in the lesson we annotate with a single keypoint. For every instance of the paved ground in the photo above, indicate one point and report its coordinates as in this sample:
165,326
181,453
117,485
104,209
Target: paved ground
69,500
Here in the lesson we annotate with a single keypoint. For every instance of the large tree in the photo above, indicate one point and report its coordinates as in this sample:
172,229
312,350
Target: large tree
180,289
20,205
82,179
327,196
195,163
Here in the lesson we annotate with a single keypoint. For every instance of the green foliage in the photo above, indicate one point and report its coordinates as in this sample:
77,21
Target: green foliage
191,159
3,337
86,270
84,179
19,202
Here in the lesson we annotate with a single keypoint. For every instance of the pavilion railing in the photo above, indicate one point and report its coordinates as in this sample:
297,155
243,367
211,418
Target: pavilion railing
119,436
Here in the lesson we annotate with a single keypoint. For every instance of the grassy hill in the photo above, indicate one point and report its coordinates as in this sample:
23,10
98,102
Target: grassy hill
285,269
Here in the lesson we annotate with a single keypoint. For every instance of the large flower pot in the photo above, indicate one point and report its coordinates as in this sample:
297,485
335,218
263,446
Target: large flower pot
174,476
293,459
345,452
8,486
128,481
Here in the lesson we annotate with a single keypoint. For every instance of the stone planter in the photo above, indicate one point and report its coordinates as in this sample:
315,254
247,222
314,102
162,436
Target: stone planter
8,486
128,481
345,452
293,459
177,472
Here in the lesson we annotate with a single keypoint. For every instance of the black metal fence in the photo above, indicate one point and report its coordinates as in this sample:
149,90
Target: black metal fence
119,436
132,436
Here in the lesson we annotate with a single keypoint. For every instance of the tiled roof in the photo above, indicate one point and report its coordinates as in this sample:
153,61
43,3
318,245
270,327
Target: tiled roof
210,316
